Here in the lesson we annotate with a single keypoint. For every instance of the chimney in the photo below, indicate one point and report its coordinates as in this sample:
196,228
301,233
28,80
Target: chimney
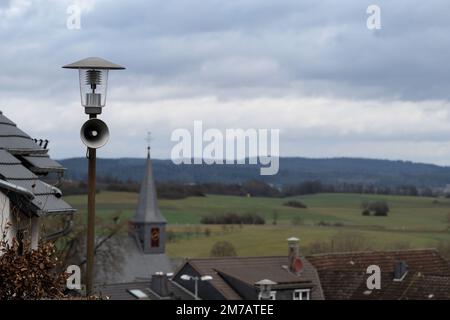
160,284
400,270
294,261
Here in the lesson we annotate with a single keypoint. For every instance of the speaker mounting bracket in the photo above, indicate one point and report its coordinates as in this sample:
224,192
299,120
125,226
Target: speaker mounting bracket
93,110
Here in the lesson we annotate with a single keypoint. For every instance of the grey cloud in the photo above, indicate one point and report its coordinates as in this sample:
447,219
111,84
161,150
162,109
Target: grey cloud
324,44
234,51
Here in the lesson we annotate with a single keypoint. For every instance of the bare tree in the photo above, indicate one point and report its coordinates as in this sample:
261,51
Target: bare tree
223,249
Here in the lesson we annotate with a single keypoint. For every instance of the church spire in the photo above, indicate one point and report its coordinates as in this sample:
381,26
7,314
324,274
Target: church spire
148,225
147,210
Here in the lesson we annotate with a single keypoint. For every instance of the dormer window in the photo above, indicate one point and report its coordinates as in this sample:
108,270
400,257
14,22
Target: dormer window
301,294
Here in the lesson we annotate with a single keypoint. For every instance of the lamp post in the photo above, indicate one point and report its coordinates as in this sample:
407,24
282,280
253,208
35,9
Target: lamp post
93,76
196,280
265,288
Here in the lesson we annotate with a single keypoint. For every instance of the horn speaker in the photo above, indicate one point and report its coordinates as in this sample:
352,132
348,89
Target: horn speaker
94,133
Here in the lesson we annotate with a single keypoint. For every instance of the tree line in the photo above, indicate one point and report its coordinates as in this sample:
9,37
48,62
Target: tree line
251,188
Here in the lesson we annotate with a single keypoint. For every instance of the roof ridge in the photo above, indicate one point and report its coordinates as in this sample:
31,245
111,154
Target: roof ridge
237,257
371,251
316,254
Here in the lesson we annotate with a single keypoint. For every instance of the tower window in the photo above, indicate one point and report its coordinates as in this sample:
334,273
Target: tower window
155,234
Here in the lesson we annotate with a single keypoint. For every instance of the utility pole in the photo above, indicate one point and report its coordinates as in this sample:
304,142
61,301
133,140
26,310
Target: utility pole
90,241
93,77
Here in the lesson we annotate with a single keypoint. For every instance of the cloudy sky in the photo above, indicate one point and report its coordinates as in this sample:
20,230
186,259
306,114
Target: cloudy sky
309,68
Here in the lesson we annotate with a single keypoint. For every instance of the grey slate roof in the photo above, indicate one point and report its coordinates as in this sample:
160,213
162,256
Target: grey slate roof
19,154
14,140
43,163
147,209
121,291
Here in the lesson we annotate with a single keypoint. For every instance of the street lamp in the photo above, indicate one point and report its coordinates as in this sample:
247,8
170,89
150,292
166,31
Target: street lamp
93,77
196,279
265,288
93,74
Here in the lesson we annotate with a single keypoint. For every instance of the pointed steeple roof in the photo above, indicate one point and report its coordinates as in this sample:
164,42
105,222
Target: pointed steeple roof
147,210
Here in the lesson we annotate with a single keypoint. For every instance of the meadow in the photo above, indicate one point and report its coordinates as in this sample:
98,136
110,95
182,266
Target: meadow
412,222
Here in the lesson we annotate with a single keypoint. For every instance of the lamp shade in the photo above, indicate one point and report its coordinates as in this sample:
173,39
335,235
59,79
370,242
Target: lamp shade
94,63
93,77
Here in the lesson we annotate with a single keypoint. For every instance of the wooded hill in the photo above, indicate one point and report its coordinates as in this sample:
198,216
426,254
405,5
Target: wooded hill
292,171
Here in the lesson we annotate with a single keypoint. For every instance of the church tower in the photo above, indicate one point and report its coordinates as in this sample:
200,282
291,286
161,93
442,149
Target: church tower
148,226
143,249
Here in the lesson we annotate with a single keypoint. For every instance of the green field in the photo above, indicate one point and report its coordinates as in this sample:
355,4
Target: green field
412,221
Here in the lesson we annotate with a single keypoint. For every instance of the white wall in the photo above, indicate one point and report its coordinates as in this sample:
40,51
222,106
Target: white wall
35,221
7,233
9,223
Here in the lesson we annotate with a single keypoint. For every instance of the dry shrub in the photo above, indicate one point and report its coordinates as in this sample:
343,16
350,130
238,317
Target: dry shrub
30,274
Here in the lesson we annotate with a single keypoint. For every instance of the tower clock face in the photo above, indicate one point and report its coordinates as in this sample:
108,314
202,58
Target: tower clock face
155,234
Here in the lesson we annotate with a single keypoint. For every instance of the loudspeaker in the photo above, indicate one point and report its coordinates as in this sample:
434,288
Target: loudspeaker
94,133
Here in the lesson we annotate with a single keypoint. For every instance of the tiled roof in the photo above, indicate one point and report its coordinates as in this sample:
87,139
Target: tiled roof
121,291
42,163
425,260
15,140
20,159
252,269
343,275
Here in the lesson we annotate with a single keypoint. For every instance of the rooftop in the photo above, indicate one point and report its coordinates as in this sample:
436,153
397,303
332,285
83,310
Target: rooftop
23,163
428,274
250,270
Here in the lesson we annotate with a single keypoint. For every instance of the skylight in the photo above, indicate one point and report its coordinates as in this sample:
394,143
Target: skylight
138,293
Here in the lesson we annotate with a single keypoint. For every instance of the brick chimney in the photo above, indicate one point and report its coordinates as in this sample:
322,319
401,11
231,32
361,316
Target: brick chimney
160,284
294,262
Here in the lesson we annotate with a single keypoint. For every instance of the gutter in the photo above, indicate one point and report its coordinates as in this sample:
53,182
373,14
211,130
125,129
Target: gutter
60,233
30,196
17,189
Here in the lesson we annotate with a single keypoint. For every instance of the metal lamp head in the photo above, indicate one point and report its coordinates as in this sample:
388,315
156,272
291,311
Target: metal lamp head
265,286
93,75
